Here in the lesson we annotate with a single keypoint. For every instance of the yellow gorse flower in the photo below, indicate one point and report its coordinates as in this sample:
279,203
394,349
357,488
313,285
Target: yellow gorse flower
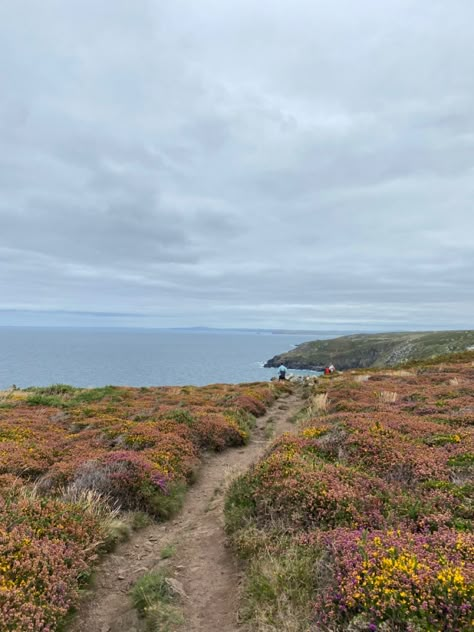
312,432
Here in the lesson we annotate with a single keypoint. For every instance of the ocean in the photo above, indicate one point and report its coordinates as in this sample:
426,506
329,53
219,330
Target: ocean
137,357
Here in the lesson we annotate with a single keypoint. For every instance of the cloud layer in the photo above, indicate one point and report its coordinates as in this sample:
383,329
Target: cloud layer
294,164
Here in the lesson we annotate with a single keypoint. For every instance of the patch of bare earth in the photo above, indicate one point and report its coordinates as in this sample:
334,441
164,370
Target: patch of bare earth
203,565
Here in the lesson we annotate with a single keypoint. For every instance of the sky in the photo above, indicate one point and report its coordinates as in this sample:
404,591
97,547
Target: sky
300,164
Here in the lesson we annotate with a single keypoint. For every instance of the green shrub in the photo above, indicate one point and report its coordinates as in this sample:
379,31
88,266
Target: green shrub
442,439
140,520
117,531
167,551
37,399
151,588
164,506
53,389
153,596
239,507
181,416
462,460
89,395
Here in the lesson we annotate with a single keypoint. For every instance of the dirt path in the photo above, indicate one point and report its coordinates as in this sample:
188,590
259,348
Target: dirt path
202,563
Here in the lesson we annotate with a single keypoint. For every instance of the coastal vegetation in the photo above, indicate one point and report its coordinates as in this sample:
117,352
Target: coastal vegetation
363,519
374,350
81,468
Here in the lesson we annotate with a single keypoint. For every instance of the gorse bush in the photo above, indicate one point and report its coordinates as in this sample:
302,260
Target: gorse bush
411,580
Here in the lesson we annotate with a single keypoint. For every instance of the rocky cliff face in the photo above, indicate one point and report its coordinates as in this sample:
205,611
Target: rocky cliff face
374,350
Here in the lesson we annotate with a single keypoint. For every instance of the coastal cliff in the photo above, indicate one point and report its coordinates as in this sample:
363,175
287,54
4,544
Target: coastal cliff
374,350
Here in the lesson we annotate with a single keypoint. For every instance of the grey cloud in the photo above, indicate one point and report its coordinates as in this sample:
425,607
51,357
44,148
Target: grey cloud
229,164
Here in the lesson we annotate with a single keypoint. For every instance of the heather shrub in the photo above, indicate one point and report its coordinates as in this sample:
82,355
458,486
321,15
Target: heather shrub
50,518
39,580
250,404
90,452
331,444
295,489
216,431
46,549
377,488
125,477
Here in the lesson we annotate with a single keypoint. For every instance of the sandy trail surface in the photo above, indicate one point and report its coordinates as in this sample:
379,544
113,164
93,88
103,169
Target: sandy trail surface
203,565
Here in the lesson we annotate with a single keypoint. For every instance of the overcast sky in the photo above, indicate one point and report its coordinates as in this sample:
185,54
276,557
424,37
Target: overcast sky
293,163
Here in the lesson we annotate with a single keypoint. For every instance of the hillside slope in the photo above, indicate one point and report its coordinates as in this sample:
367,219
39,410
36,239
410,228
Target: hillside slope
362,520
374,350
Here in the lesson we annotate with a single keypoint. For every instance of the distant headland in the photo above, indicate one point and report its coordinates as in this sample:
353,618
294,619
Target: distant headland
374,350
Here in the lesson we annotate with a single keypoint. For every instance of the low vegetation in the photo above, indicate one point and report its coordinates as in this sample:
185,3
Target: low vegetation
81,468
156,598
363,520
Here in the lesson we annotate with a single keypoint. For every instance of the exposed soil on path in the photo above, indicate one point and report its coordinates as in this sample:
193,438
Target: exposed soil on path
203,565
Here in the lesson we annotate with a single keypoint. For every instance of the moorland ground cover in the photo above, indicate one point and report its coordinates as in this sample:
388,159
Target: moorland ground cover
79,468
363,520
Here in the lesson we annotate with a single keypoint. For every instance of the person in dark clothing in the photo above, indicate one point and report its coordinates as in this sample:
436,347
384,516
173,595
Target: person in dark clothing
282,372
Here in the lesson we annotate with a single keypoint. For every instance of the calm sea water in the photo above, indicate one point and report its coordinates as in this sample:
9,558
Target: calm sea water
96,357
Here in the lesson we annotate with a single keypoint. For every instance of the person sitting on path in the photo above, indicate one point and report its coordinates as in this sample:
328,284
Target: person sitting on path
282,372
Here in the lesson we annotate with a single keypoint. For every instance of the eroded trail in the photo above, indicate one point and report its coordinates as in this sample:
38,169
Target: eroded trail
202,564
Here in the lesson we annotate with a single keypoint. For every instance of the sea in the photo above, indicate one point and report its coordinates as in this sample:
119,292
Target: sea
138,357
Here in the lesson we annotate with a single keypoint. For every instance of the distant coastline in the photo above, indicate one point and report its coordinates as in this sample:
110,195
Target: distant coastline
374,350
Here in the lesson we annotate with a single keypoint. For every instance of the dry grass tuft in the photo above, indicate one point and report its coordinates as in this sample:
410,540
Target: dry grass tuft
13,394
399,373
265,604
388,397
92,501
319,403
